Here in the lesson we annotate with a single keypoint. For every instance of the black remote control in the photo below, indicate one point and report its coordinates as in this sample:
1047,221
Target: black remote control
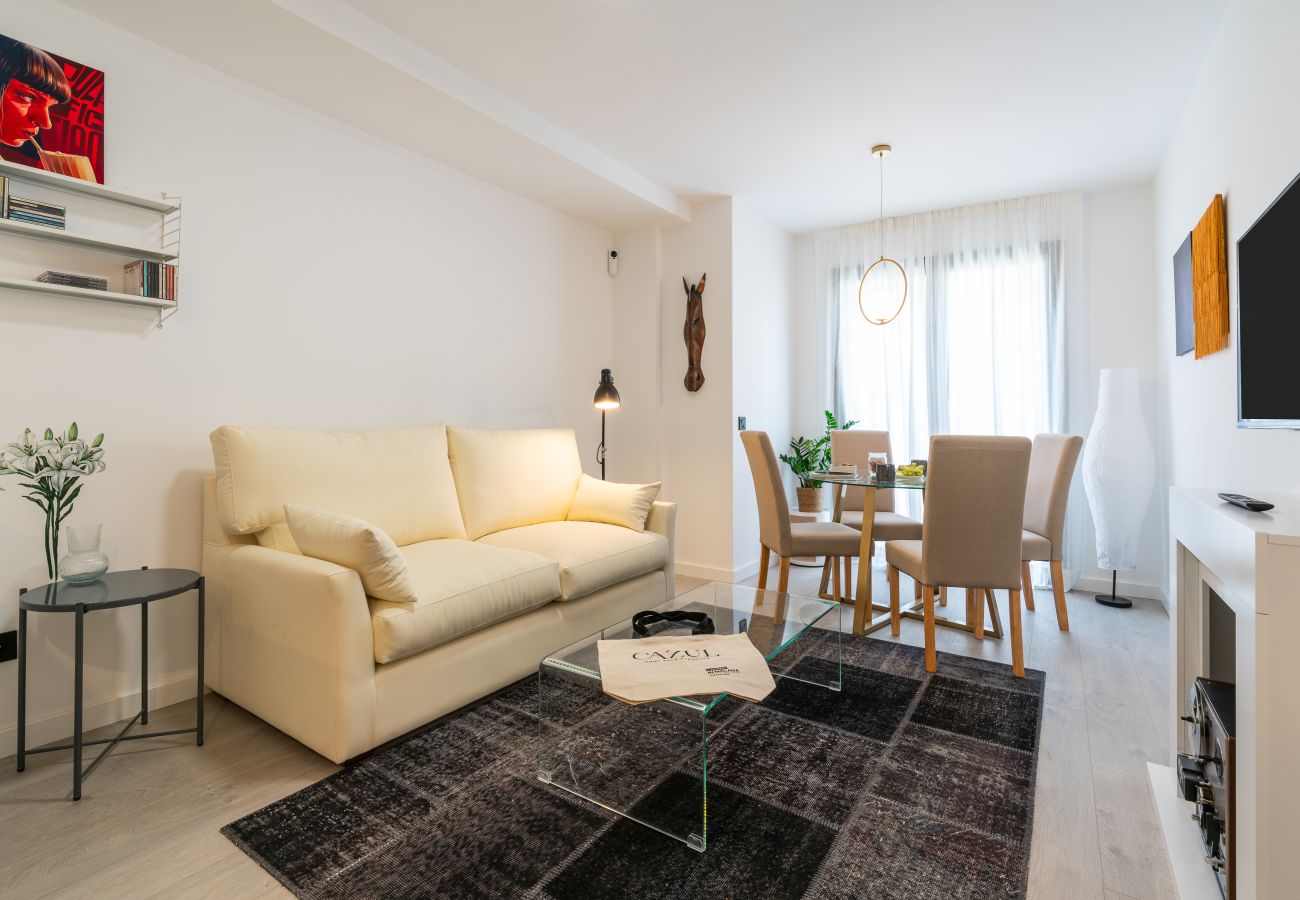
1245,502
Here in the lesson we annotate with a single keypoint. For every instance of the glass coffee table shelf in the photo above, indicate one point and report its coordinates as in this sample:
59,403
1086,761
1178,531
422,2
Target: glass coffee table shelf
649,762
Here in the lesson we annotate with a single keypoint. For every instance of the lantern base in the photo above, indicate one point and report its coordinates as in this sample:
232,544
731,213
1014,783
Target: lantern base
1113,599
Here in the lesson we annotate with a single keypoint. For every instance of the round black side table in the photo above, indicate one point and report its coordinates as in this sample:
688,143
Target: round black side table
115,589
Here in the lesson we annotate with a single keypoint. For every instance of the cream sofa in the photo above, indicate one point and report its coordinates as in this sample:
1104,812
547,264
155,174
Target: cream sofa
480,520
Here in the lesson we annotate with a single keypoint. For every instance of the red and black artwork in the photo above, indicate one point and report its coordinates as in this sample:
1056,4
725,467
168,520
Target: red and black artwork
51,112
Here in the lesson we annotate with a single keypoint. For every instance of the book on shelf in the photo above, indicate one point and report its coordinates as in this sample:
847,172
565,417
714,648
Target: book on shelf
4,196
150,279
34,212
67,279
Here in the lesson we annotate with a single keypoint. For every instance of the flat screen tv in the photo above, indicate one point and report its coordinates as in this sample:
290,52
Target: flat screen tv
1268,316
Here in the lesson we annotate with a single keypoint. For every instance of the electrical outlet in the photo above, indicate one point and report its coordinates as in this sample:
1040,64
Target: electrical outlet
8,646
740,423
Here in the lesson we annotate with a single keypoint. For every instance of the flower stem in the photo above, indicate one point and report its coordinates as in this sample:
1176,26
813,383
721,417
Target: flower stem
54,556
50,523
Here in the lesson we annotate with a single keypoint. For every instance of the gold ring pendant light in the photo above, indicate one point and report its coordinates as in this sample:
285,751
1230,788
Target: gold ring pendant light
880,151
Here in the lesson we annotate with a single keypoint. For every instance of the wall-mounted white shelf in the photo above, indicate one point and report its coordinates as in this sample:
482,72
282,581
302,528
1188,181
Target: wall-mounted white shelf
166,251
77,186
59,236
76,293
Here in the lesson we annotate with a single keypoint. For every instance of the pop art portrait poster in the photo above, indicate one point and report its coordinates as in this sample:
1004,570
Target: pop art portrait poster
51,112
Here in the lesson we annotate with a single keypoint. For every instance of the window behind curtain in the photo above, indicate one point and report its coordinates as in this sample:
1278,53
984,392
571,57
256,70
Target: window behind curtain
977,350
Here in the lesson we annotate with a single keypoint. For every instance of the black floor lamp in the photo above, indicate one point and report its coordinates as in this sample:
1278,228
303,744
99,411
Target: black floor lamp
606,398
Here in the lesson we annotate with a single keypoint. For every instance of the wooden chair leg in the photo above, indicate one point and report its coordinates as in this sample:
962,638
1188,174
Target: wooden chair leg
848,579
1058,590
931,656
783,575
1017,640
970,606
835,580
1027,582
978,620
943,596
916,589
764,560
826,576
895,611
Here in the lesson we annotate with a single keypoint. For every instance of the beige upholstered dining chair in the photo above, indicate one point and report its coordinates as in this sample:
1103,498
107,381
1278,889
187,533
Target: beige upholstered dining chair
1051,468
852,447
776,532
974,513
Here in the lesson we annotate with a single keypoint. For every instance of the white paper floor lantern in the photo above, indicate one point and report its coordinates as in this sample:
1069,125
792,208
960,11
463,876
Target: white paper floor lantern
1118,474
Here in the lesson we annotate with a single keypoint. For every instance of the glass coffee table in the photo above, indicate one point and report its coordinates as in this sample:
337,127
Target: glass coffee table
649,762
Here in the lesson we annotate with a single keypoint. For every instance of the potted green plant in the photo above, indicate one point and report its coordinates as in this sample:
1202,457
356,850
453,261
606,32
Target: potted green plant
807,456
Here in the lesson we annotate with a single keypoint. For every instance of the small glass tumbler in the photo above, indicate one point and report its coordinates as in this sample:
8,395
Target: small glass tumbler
875,459
85,562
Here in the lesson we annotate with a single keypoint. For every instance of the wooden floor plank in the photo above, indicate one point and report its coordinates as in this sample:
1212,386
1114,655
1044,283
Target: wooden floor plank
1095,836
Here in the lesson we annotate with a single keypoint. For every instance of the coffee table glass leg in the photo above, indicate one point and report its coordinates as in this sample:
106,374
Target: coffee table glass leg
198,700
839,649
699,840
22,689
78,667
144,663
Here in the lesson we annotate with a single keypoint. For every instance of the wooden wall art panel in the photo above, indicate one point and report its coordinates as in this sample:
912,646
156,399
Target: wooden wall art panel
1210,280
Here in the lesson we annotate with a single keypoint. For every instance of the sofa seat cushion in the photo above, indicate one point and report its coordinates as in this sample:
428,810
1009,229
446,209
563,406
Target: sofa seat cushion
591,555
461,587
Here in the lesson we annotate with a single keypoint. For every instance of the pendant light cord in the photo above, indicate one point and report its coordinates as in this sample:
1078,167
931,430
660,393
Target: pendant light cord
882,207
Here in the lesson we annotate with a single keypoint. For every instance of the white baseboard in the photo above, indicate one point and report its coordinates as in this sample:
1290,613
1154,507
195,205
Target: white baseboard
1194,879
1125,589
708,573
58,726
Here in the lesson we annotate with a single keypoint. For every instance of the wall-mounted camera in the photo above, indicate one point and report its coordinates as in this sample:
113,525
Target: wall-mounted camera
612,263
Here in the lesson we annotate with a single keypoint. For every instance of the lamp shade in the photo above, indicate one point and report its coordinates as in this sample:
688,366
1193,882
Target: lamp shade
1118,469
606,394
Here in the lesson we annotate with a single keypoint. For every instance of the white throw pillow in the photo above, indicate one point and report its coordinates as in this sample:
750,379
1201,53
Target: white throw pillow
356,544
612,503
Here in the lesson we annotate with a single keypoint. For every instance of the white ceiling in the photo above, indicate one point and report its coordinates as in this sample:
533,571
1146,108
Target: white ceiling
778,101
616,110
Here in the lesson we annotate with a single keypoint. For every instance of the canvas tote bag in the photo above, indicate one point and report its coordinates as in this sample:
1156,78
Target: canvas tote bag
637,671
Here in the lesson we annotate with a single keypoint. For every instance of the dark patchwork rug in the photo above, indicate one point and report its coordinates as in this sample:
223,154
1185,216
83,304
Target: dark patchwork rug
902,785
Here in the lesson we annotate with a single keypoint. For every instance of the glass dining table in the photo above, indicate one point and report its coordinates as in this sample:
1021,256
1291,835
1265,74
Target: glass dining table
865,618
863,608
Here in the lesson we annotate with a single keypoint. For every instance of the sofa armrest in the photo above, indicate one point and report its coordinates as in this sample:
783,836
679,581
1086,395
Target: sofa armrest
292,642
663,520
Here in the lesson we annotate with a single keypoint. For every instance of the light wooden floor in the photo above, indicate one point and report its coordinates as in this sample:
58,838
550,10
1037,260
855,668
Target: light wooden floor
148,823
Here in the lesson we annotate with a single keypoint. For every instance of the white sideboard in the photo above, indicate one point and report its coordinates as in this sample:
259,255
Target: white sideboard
1252,562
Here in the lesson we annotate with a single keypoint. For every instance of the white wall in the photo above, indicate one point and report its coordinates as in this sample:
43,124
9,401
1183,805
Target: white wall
635,440
696,425
1239,136
1116,327
762,317
329,280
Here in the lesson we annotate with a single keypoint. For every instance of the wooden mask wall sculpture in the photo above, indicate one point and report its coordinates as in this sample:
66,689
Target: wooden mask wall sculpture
693,333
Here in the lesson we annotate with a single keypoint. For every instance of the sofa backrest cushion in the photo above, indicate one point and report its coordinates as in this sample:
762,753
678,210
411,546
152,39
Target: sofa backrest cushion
398,479
506,479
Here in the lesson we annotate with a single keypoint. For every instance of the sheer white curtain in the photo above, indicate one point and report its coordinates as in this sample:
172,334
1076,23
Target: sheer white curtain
980,347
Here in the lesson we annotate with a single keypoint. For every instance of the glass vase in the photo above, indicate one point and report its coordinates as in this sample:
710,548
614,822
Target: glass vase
85,562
